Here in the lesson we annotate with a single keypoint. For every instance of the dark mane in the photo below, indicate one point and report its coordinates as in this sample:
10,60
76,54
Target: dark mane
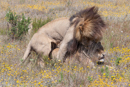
85,13
72,46
89,14
92,23
94,47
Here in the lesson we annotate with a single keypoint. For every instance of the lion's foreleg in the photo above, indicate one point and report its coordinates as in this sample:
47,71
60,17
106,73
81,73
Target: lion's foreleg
62,51
63,47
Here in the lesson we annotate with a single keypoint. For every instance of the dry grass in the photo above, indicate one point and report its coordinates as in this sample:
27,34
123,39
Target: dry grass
116,42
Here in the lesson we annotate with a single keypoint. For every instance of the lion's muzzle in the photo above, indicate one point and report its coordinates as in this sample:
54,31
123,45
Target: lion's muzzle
101,58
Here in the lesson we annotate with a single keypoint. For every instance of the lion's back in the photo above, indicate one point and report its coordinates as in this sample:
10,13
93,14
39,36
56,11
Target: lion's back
56,29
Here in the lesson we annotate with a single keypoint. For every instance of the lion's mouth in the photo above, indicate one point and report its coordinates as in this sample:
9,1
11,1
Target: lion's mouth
101,60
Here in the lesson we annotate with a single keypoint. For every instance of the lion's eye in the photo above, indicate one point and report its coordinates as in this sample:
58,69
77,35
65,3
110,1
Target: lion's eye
97,50
81,25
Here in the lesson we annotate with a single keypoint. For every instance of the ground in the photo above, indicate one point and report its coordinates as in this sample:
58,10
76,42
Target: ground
116,42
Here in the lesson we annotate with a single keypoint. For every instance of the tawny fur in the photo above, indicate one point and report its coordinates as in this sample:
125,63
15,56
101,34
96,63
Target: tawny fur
83,27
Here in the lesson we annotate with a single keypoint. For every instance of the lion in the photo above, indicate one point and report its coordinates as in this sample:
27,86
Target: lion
83,27
90,55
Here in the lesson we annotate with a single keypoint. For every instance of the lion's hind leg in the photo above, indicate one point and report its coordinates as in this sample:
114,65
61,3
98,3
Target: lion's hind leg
43,51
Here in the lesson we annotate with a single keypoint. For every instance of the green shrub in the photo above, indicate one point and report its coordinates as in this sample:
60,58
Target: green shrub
19,24
12,18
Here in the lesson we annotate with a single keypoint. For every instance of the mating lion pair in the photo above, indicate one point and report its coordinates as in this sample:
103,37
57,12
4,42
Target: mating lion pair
84,28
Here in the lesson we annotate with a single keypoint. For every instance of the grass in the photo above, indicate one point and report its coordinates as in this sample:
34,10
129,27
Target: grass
3,32
116,42
37,23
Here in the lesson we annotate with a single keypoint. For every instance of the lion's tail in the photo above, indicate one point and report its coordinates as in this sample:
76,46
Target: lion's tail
26,54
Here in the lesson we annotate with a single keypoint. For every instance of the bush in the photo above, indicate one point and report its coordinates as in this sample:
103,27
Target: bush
19,24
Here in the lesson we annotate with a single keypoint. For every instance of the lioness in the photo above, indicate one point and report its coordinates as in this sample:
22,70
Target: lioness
83,27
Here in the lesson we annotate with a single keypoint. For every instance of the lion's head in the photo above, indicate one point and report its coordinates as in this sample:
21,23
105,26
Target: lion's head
94,51
88,24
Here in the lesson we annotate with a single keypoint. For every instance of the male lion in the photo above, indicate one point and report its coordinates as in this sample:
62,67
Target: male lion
94,52
83,27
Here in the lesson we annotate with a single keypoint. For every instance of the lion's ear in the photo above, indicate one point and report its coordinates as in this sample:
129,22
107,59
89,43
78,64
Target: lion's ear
74,19
81,24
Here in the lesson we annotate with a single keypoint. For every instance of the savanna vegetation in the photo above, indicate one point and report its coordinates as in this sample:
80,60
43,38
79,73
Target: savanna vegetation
14,39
